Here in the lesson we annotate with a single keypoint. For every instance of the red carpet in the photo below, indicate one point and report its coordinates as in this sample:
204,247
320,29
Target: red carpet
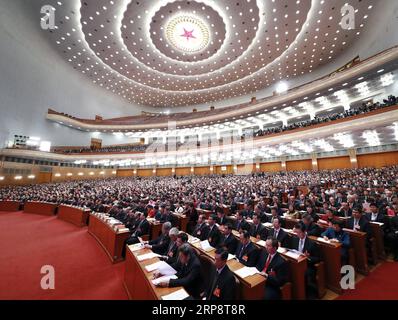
380,284
82,268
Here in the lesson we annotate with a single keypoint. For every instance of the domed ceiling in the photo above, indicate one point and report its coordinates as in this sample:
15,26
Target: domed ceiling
175,53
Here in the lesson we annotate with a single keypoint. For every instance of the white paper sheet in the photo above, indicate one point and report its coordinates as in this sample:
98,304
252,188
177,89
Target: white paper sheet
205,245
136,247
261,243
162,279
246,272
147,256
177,295
231,256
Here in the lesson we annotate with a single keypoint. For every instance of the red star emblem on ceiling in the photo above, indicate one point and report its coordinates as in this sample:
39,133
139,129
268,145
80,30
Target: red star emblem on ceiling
188,34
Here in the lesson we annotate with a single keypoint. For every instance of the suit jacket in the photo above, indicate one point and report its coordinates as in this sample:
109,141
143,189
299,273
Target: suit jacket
283,237
201,231
188,276
363,225
278,270
160,244
230,243
244,225
259,230
380,217
309,246
172,253
224,220
223,286
247,255
214,237
141,228
314,230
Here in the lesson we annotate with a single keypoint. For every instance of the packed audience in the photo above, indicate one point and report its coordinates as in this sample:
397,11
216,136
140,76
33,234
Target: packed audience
364,108
321,203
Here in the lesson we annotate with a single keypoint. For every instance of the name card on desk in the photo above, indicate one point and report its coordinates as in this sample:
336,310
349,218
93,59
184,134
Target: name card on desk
177,295
157,281
246,272
147,256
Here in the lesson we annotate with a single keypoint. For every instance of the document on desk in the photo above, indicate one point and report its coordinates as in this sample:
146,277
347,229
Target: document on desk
205,245
157,281
177,295
246,272
293,254
147,256
136,247
231,256
261,243
323,240
267,224
193,240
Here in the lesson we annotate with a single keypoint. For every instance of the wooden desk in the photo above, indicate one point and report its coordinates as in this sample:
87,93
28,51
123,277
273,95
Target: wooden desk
358,243
43,208
111,240
155,228
9,206
289,222
251,288
182,221
137,280
331,254
378,235
75,215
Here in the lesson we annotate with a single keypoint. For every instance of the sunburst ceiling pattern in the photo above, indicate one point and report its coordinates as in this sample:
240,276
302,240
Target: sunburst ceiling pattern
173,53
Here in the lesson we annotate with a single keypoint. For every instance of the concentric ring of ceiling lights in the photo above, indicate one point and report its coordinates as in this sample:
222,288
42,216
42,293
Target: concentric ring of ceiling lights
256,43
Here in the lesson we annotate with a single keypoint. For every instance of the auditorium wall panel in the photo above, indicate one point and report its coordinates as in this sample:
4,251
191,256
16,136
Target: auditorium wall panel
183,171
202,171
164,172
334,163
44,177
271,167
125,173
244,169
145,172
299,165
228,169
378,160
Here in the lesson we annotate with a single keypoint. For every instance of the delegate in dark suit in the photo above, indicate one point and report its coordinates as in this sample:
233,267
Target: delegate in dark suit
201,231
278,274
223,286
259,231
242,225
214,236
281,236
247,254
188,276
230,243
160,244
